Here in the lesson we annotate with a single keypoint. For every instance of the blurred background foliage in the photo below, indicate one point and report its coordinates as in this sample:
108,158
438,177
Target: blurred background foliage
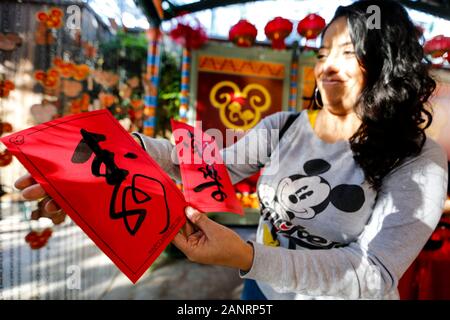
126,55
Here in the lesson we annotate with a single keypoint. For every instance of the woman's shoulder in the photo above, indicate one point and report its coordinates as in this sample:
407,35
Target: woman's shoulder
431,151
431,159
278,119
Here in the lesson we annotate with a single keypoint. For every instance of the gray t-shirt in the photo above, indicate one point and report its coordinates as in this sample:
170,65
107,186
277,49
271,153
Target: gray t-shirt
335,237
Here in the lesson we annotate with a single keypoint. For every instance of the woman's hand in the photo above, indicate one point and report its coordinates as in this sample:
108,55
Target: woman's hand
447,206
47,207
205,241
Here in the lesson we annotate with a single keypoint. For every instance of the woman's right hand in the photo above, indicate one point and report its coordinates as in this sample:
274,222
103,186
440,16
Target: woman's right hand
47,207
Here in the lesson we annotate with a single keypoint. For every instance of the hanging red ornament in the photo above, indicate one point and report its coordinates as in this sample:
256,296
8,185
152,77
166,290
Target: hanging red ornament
90,51
5,127
6,86
437,46
38,239
189,37
277,30
49,79
47,20
311,26
243,34
52,19
6,158
80,105
106,99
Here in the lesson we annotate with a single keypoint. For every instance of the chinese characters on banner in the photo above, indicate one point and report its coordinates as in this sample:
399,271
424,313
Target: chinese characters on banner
206,183
110,187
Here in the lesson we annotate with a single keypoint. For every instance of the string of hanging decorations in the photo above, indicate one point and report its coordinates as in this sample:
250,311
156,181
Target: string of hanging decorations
244,33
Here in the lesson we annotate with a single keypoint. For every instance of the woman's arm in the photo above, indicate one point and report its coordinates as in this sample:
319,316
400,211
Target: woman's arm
248,155
243,158
161,151
406,212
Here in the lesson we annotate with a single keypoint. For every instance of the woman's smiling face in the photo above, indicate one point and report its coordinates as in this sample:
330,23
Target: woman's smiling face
340,77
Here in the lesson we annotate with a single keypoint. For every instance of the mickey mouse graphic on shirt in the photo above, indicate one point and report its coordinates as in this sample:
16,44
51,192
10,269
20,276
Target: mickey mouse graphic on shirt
305,196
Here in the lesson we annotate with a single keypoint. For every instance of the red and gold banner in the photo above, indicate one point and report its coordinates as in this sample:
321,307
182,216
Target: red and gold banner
235,93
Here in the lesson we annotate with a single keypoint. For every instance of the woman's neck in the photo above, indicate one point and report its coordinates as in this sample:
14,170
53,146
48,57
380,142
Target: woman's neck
332,127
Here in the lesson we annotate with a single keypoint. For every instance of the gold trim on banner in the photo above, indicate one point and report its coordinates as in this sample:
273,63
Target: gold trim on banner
241,67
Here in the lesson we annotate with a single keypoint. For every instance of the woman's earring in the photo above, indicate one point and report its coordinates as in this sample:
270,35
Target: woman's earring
317,98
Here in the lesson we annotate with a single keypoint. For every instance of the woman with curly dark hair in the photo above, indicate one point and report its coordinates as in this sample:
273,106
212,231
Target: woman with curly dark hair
352,191
397,85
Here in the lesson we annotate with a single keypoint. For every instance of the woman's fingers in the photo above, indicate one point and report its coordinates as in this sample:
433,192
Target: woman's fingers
56,217
33,192
198,219
188,244
59,218
47,207
51,206
196,239
24,181
180,242
188,229
35,214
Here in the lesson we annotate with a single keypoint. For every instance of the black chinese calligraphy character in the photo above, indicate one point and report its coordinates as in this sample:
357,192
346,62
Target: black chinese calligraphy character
210,172
195,146
115,176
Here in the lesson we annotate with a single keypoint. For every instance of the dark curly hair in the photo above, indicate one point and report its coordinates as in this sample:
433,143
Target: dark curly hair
392,104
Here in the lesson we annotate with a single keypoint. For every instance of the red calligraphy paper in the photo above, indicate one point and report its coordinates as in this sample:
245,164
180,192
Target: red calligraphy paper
206,183
106,183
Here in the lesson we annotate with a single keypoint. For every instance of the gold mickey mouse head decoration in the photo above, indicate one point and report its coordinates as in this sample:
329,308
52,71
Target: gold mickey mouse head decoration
240,109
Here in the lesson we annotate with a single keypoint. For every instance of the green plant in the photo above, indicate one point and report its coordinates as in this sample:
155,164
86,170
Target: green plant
169,91
126,52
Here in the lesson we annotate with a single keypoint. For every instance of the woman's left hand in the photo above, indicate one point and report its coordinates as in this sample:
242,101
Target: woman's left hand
211,243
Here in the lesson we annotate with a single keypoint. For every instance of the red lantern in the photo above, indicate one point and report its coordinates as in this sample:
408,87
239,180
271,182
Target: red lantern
277,30
311,26
437,46
189,37
243,34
